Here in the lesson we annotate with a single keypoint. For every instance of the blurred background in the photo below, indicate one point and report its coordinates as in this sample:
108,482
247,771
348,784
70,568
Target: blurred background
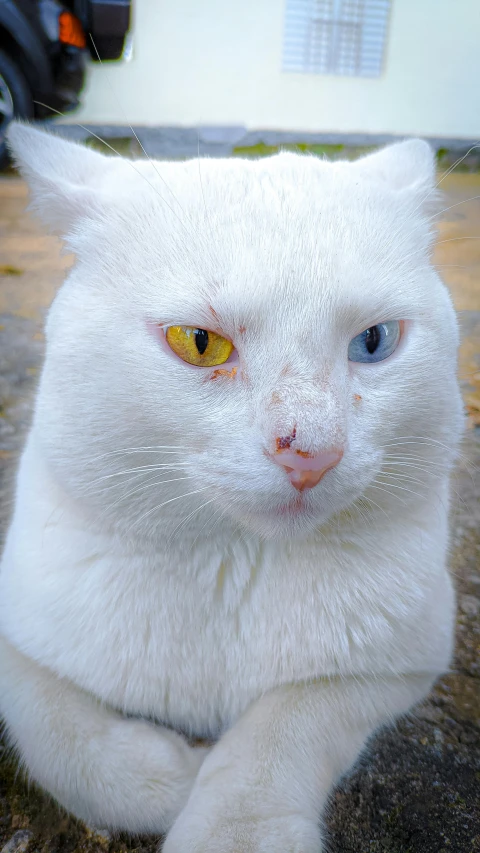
223,78
260,73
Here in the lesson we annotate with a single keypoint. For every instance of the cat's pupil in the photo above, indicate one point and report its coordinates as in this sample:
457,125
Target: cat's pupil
372,339
201,340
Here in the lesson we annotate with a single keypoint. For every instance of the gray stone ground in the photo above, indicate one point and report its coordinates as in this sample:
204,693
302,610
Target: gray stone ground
417,789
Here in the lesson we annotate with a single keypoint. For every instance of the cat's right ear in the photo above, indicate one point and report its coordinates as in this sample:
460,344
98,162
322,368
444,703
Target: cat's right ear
66,179
407,168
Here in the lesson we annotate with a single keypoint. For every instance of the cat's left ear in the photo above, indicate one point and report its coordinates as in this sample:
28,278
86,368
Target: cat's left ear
67,181
406,167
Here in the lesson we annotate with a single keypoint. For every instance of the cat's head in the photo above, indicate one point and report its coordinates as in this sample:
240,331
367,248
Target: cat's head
262,343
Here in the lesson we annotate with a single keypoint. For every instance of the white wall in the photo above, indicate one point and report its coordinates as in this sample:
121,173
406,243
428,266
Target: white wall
218,62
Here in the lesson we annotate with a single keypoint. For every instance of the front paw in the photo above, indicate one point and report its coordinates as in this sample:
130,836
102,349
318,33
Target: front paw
195,832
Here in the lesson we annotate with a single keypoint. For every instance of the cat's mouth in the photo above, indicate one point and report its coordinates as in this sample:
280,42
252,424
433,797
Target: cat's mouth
293,508
292,518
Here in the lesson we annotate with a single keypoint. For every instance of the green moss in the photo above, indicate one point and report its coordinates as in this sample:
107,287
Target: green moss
7,269
259,150
121,144
333,152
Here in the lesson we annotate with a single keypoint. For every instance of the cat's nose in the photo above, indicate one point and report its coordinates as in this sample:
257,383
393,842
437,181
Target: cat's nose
304,469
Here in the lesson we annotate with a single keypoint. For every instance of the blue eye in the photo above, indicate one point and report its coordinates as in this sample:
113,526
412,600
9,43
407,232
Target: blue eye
375,343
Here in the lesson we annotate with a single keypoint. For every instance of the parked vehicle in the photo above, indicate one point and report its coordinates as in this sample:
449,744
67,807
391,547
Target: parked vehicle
43,50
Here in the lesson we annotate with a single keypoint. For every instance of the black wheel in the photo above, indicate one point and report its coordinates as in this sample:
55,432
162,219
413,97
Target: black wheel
15,98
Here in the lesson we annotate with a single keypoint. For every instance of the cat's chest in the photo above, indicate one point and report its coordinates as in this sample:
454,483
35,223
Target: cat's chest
195,651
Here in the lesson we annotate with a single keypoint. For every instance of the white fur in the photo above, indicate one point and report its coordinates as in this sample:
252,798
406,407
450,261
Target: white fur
179,592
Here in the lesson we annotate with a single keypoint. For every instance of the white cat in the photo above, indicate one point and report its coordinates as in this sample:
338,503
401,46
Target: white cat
231,517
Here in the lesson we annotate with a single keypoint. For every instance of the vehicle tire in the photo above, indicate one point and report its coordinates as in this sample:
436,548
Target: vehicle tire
15,99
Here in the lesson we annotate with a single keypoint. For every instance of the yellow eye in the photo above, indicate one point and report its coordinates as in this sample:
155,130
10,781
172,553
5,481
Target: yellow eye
197,346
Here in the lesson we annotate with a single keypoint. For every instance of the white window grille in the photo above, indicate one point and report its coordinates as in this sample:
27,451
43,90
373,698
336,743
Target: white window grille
335,36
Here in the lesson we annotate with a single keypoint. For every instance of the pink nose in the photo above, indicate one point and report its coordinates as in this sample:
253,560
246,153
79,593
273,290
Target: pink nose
304,470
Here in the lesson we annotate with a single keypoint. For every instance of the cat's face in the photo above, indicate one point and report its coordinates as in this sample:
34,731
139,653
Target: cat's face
267,274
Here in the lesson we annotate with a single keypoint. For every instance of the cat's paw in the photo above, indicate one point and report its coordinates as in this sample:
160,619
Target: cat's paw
200,833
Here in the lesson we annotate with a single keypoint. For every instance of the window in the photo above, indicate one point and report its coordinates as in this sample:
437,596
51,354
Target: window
335,36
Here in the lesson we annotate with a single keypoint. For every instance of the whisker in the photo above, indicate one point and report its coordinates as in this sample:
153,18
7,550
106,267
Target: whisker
412,458
415,439
420,463
457,163
185,520
109,487
457,204
398,476
447,173
138,469
143,487
189,516
152,448
401,488
455,239
170,500
369,500
220,513
455,266
422,441
152,162
374,485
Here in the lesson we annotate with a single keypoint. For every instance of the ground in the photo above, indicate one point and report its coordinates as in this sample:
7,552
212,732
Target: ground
417,790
